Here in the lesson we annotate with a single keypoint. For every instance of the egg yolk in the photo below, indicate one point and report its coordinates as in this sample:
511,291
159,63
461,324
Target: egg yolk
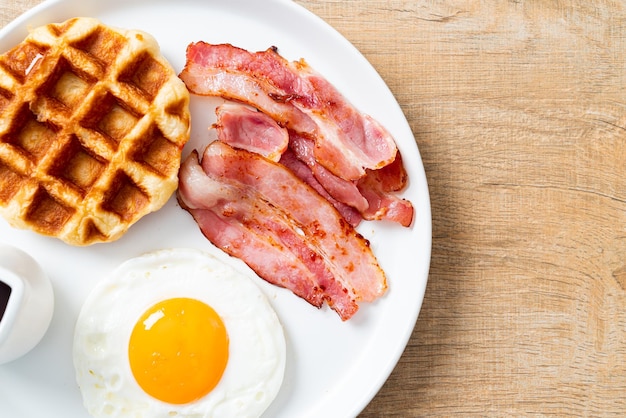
178,350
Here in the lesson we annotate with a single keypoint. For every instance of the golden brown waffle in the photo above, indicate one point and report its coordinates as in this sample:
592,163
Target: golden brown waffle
92,125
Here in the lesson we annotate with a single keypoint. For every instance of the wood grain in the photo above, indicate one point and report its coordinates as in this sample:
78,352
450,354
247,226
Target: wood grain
519,111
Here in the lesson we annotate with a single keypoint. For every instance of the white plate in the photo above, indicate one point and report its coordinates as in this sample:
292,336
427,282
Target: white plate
334,368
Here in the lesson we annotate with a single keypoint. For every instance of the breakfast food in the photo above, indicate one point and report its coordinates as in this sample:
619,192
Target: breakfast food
93,124
291,217
239,126
246,128
347,142
340,144
178,333
259,211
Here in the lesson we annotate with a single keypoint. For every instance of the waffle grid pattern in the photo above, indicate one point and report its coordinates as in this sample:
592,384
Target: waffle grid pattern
92,129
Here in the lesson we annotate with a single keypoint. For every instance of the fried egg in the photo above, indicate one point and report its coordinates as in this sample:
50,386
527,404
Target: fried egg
178,333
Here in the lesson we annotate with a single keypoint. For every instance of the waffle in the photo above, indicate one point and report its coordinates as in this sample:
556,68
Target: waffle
92,126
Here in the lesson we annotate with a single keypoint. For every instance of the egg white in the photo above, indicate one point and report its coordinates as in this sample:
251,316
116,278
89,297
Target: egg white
257,351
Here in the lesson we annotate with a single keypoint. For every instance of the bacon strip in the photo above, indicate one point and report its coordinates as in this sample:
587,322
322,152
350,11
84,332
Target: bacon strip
371,198
286,227
346,141
342,190
242,88
347,253
245,128
241,127
303,172
378,186
207,201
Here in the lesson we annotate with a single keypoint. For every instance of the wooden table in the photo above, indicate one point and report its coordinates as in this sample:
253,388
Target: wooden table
519,111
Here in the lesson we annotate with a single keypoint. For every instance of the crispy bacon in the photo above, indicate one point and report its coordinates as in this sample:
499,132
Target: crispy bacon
245,128
260,212
346,141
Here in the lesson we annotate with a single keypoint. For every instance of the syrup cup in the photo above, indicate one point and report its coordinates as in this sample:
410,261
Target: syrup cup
26,303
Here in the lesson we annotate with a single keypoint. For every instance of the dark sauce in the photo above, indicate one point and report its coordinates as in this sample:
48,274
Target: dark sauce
5,293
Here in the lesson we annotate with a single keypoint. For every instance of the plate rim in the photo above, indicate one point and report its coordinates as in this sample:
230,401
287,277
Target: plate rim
17,26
